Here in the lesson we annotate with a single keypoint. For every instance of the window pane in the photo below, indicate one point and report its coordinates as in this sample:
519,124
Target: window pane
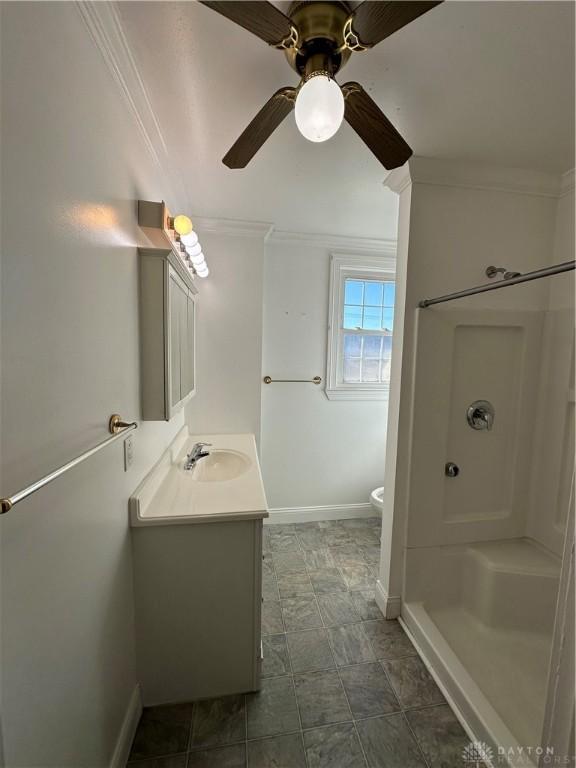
389,291
385,375
388,318
371,371
386,347
372,345
372,318
353,291
373,294
352,370
352,345
352,317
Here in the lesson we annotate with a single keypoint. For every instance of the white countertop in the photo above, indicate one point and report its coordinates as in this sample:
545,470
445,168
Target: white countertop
170,495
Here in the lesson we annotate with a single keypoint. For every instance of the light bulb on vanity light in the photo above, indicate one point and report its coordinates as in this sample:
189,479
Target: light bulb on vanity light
189,240
319,109
182,225
193,250
202,271
197,259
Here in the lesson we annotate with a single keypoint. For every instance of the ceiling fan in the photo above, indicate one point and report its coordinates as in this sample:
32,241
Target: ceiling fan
318,38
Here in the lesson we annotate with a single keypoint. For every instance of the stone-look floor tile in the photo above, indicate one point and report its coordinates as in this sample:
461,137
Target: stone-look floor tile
267,566
361,522
387,741
275,661
350,645
269,587
272,623
365,537
334,746
273,711
327,580
221,757
284,562
321,699
277,752
284,542
350,554
303,527
337,537
313,538
162,731
219,721
368,690
412,682
317,559
365,604
358,576
172,761
440,735
294,583
337,609
310,650
300,613
388,639
323,524
371,554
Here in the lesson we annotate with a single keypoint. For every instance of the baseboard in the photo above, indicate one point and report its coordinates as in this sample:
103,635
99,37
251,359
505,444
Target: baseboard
389,605
128,729
315,514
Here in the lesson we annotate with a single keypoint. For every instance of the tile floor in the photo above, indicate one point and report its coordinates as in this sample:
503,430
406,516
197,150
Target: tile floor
341,687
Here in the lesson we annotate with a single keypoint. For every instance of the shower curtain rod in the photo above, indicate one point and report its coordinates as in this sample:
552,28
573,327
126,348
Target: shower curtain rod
556,269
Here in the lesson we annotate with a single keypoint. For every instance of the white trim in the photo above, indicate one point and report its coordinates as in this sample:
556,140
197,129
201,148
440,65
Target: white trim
232,227
127,730
105,27
450,173
382,246
390,605
314,514
344,265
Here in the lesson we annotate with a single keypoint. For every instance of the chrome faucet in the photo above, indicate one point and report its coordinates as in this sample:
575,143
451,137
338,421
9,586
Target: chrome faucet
195,454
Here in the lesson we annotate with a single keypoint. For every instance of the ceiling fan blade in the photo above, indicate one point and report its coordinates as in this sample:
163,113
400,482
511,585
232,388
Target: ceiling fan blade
261,18
261,128
373,21
373,127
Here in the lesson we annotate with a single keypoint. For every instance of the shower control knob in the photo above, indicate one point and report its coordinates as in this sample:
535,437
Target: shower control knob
451,469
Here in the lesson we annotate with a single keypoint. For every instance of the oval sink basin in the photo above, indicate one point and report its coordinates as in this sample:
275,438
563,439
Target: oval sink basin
220,465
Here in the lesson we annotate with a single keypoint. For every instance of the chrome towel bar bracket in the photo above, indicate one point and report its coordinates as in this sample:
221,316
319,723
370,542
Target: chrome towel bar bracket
117,429
270,380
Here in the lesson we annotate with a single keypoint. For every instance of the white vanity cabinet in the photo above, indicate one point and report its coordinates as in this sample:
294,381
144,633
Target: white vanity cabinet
197,555
167,333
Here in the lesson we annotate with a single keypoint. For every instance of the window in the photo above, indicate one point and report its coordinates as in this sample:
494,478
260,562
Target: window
360,328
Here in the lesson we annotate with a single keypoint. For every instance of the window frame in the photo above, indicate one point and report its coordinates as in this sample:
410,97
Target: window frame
358,267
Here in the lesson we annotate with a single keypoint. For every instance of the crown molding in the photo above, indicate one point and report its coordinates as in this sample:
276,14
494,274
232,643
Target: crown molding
335,242
104,25
231,227
452,173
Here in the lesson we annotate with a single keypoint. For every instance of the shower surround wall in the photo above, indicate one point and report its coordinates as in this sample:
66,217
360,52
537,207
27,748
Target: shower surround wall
511,347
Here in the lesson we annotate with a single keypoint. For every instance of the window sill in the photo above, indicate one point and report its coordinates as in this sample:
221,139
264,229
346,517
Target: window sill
342,393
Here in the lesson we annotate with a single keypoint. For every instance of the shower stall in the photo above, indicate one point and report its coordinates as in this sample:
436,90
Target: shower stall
491,499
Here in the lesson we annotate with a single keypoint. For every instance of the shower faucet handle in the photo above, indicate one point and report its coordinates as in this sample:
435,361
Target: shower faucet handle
480,415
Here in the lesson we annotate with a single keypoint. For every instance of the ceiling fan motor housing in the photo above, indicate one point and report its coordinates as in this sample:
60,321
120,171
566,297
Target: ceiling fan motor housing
320,28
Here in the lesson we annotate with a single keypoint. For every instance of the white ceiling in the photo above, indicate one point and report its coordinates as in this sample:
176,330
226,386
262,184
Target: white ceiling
489,82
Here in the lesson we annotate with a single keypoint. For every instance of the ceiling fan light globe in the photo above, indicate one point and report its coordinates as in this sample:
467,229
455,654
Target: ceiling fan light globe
319,109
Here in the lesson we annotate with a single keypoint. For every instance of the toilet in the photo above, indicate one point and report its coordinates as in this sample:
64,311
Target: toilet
377,499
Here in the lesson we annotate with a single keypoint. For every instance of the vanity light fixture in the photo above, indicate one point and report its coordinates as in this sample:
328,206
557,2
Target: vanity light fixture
175,231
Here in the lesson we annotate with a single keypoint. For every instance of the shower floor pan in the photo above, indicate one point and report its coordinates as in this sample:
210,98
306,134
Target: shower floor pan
483,616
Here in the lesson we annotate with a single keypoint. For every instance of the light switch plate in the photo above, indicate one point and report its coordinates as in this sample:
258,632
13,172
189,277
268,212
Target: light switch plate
128,452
